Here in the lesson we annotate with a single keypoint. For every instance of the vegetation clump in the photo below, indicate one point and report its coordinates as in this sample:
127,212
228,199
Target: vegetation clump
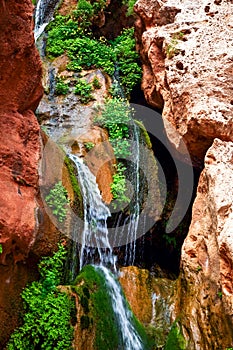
57,200
96,302
116,118
61,87
175,338
84,89
66,34
47,319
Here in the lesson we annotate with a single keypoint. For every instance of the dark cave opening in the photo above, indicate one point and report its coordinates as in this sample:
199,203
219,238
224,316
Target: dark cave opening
156,247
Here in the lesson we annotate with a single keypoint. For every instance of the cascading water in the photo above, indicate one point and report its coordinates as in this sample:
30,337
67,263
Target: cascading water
129,336
43,15
95,242
95,233
134,217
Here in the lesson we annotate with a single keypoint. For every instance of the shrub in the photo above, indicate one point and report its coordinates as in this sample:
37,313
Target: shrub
66,35
57,200
83,89
95,83
130,4
61,87
89,145
116,118
46,322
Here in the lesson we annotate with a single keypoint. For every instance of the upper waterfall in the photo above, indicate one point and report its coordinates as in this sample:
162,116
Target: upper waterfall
43,15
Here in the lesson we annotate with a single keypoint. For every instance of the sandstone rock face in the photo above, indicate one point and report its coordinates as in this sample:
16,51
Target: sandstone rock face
186,48
208,254
152,300
70,123
20,92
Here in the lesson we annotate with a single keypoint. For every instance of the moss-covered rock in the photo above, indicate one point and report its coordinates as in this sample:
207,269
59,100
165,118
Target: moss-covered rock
96,315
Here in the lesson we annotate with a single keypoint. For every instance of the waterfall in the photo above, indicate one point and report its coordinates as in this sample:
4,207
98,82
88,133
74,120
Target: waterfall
95,241
134,217
43,15
95,233
129,336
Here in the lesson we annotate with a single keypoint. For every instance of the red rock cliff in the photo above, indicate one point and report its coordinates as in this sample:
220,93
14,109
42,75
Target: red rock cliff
20,92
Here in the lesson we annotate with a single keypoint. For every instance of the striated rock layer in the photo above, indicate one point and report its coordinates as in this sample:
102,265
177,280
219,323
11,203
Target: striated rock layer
186,49
20,92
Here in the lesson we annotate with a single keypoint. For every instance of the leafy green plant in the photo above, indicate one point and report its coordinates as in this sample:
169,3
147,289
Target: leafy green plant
1,250
199,268
130,4
115,117
83,89
171,49
47,319
95,83
57,200
86,10
128,60
84,51
118,187
219,294
61,88
175,338
89,145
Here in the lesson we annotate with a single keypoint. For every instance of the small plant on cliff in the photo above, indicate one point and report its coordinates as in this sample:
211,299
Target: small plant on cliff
83,89
116,118
171,49
95,83
1,250
175,338
48,312
57,200
61,87
130,4
89,145
118,186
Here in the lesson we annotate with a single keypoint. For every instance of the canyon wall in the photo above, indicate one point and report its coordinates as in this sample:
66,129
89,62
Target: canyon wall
186,50
20,92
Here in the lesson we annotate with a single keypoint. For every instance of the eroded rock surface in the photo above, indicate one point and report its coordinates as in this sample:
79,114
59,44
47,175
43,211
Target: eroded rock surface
187,51
208,254
20,92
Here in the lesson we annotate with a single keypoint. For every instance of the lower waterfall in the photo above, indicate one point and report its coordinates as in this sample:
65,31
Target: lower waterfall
96,250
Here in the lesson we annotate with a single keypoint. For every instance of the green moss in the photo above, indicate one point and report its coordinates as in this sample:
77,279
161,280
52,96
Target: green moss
175,340
144,133
78,203
100,308
91,285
